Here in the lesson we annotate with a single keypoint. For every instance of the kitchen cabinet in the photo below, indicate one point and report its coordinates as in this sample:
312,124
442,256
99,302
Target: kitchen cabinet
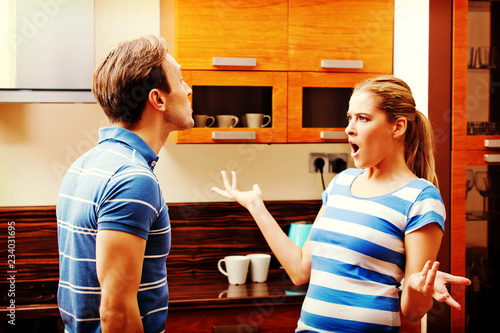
475,170
237,93
310,62
352,36
317,105
276,35
225,35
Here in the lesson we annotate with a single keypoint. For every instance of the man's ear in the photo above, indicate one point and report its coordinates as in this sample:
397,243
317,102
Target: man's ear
400,126
156,99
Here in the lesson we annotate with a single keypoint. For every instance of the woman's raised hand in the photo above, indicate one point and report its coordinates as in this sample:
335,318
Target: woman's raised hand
441,293
430,281
245,198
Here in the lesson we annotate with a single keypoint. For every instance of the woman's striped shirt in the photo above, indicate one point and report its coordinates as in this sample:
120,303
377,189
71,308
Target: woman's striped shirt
358,255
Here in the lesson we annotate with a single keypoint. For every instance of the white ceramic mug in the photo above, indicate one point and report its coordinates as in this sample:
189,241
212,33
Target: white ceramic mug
200,120
257,119
236,268
259,266
227,121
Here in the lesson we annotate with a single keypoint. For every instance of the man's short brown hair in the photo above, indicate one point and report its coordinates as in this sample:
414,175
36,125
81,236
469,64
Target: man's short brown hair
122,82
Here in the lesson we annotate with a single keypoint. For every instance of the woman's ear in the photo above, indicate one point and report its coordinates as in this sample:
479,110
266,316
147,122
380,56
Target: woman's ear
400,126
156,99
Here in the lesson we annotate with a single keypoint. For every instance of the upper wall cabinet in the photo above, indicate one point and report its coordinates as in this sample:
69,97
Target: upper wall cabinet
295,61
226,35
341,35
281,35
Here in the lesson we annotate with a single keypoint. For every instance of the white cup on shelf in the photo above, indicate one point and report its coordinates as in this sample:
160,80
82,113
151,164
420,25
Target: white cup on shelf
227,121
257,119
200,120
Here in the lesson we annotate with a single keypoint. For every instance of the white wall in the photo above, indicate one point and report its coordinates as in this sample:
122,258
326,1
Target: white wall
39,141
7,54
411,48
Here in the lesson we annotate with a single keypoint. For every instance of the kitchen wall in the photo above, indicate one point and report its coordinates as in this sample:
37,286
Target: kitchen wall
38,142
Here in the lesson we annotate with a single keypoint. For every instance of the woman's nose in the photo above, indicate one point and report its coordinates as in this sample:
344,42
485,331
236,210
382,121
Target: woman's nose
349,130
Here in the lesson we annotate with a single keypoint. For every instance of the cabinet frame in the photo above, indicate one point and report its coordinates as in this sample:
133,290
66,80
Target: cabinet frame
276,80
466,150
299,80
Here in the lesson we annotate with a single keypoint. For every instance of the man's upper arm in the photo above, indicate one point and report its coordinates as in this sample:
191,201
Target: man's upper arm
119,259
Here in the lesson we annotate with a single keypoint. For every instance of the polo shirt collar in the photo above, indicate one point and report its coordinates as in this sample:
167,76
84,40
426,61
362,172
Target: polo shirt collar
130,139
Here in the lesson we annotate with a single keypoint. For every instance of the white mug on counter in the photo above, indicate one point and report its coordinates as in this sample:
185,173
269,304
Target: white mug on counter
236,268
227,121
259,266
200,120
257,119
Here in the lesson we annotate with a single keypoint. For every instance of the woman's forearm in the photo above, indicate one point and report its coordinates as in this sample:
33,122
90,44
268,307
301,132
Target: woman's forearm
286,251
415,305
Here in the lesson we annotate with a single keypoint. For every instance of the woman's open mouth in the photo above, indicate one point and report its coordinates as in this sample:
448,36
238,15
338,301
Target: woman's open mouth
354,148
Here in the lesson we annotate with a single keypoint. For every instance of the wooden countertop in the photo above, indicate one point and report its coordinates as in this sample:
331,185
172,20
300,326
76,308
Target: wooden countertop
210,292
186,292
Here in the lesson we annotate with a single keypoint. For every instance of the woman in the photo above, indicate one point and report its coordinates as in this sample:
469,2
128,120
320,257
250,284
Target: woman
379,224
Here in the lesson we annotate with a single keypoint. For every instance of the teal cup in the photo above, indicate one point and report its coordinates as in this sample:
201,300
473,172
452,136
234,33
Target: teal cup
299,231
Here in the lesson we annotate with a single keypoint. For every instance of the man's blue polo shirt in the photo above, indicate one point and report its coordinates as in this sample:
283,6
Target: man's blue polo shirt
111,187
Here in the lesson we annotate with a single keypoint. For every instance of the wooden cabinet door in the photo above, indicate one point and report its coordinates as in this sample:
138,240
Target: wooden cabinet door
341,34
474,237
239,30
328,99
224,83
476,93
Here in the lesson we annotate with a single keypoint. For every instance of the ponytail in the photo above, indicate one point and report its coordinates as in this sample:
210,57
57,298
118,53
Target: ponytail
419,154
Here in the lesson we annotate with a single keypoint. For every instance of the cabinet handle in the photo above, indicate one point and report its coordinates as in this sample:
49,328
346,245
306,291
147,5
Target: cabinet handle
492,143
331,135
249,62
233,135
342,64
492,158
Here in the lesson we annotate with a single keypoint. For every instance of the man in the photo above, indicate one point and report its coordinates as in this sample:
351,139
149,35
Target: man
113,224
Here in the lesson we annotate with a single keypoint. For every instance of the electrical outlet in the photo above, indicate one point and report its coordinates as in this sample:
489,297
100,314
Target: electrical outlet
324,157
337,162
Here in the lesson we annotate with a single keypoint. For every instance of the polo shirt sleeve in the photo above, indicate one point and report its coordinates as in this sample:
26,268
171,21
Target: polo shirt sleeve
428,208
131,203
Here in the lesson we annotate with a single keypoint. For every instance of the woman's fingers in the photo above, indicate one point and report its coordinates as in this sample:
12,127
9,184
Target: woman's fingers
431,273
225,180
235,180
219,191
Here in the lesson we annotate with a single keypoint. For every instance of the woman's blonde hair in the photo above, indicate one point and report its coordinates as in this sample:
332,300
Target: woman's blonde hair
396,100
122,81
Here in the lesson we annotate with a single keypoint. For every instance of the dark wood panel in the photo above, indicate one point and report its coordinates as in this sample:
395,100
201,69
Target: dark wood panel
206,232
201,235
269,318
